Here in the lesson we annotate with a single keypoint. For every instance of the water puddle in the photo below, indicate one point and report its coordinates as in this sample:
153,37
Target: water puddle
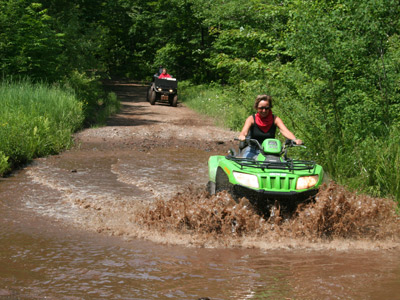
160,195
129,224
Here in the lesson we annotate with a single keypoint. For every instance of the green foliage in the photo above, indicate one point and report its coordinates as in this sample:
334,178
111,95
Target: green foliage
47,40
98,104
175,35
166,56
341,89
247,36
229,106
4,165
36,120
28,43
377,161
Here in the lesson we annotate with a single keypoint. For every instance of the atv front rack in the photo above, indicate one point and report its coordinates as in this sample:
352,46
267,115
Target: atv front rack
289,164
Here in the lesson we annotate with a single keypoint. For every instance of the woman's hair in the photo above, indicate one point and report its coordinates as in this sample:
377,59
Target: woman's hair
263,98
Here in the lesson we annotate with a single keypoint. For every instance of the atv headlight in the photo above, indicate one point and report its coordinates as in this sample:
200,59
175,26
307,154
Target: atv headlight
306,182
171,91
246,179
159,89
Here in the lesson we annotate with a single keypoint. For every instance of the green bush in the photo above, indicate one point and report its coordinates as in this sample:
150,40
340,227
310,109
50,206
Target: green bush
97,103
4,166
229,106
377,160
36,120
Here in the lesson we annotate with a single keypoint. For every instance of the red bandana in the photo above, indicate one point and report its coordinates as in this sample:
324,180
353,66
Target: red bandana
265,123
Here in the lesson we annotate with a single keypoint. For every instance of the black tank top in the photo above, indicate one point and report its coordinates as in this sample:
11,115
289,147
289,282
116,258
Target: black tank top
259,135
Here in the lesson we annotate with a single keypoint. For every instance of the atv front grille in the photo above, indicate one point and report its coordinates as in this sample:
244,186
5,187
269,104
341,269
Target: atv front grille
277,183
290,164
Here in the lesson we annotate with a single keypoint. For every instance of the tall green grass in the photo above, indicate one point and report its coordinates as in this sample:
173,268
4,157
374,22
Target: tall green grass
35,120
378,161
370,166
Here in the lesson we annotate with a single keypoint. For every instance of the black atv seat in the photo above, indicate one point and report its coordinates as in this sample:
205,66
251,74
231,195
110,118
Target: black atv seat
171,83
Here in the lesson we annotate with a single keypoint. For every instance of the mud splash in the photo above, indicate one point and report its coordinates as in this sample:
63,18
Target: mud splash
338,219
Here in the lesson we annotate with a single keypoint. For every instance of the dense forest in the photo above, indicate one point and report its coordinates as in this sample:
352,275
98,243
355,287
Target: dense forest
333,67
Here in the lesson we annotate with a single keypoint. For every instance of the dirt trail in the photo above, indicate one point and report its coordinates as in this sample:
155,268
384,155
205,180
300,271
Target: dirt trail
142,126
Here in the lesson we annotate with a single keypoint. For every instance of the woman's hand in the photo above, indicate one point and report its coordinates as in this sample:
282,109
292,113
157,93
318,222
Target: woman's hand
242,137
298,142
249,122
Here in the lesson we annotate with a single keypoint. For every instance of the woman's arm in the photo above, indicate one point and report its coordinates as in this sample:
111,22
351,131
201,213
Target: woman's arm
246,127
286,132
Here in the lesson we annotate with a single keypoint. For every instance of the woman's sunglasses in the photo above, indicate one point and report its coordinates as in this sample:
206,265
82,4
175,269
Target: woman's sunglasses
263,107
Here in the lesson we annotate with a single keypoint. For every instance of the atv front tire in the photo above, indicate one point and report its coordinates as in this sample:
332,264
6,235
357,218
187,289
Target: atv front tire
175,101
211,187
222,182
152,97
148,94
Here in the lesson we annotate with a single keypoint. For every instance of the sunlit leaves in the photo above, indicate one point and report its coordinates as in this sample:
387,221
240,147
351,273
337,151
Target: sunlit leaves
29,44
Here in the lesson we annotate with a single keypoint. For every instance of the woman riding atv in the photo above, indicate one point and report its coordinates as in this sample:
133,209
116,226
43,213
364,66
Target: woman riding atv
262,125
164,74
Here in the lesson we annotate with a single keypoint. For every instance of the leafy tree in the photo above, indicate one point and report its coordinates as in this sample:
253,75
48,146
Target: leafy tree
169,33
247,35
343,79
29,46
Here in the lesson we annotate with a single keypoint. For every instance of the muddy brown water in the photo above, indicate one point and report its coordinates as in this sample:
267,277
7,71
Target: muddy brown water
69,226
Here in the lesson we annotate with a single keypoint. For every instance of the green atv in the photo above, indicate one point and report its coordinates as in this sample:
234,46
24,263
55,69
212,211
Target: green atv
268,177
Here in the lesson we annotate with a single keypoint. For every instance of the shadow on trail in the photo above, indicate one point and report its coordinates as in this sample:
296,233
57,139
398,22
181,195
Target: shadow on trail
127,114
131,112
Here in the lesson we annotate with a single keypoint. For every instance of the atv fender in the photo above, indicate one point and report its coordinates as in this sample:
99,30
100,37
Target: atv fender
213,163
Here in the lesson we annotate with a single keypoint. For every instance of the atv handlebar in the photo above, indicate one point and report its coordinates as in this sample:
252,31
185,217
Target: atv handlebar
292,143
249,141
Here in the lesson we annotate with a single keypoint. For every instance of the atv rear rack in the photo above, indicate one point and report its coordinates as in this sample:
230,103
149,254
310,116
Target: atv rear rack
289,164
